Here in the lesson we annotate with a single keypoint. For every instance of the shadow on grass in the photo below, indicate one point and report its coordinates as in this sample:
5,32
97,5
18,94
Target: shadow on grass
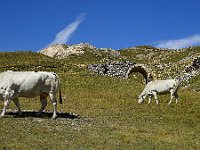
32,113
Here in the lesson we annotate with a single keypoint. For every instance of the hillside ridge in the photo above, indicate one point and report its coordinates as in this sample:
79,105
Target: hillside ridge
163,63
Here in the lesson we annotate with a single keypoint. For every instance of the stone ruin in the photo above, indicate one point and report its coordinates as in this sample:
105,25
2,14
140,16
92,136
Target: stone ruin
121,69
124,69
191,70
196,63
194,66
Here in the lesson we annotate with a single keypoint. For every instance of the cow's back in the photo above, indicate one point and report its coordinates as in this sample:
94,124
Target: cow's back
160,85
28,83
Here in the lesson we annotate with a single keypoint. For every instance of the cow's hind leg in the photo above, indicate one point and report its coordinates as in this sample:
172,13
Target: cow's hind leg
6,104
16,101
54,102
43,100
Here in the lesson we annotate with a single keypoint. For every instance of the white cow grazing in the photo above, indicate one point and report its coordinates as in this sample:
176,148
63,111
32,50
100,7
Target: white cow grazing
160,86
29,84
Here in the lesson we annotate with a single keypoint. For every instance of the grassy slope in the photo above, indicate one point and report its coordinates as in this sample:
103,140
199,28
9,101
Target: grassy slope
110,118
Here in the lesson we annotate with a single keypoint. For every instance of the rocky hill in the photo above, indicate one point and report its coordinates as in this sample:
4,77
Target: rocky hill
63,51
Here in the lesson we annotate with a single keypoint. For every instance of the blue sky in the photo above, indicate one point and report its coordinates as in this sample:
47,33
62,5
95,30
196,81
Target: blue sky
35,24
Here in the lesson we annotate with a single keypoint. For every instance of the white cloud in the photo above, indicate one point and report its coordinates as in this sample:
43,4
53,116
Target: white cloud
180,43
63,36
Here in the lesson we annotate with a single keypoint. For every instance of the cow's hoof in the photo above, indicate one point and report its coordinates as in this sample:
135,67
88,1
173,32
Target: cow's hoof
2,116
19,113
53,117
39,114
169,103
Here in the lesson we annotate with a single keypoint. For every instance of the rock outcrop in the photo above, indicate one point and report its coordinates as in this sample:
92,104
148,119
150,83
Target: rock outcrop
62,50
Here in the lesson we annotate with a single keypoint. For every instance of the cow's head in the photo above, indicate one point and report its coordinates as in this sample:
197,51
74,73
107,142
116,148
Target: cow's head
141,99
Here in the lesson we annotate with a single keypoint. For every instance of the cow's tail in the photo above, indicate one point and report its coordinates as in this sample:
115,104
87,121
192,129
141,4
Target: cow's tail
60,96
59,86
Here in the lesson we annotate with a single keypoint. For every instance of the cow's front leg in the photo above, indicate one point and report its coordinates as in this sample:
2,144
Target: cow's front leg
155,96
177,97
150,97
172,96
6,104
16,101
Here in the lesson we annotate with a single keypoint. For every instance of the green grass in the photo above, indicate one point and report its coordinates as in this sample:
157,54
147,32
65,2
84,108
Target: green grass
110,117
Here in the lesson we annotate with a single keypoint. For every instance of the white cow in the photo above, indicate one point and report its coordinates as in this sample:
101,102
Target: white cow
161,86
29,84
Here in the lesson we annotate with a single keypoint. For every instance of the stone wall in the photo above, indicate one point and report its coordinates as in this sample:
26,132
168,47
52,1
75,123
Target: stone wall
191,70
194,66
120,69
124,69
